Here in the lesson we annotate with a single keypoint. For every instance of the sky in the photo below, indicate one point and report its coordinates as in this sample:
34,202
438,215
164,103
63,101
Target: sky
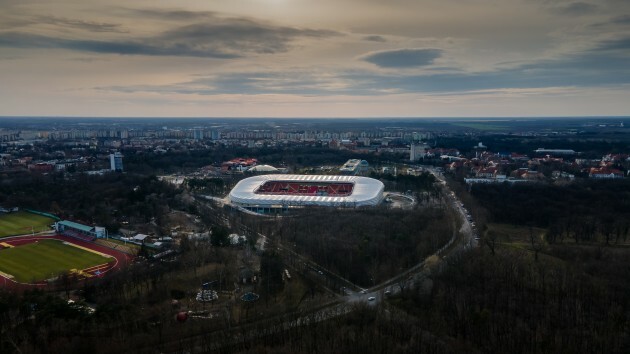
323,58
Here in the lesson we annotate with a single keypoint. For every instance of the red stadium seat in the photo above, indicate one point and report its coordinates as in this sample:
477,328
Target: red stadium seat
305,188
78,235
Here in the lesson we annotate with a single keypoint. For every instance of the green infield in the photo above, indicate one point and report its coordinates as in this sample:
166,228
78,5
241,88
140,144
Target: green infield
22,222
45,259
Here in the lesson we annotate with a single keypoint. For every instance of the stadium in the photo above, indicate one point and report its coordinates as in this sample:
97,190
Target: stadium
273,193
33,255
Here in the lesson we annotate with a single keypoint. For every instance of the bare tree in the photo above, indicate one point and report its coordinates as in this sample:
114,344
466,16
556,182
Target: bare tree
535,241
490,238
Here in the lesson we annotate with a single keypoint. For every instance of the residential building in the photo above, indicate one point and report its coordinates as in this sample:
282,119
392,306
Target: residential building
116,161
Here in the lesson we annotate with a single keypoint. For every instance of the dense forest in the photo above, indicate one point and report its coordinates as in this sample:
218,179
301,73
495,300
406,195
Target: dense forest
509,302
590,145
423,183
483,303
365,246
563,288
569,300
369,245
103,200
183,161
585,211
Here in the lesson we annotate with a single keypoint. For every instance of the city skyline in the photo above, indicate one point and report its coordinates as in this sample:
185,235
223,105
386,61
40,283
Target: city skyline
280,58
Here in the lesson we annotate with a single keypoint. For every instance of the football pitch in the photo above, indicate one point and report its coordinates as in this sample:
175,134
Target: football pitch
45,259
23,222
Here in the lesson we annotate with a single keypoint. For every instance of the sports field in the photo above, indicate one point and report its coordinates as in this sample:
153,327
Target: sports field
44,259
23,222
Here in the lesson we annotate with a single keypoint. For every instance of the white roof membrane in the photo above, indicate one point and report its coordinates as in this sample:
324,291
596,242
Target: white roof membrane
366,191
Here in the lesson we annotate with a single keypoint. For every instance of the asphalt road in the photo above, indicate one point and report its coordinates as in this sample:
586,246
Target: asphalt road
463,239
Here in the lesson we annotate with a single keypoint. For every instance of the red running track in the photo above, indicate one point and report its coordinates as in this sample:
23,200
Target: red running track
120,259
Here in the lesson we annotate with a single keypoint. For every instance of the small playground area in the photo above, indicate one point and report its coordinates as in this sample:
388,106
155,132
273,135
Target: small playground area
35,260
23,222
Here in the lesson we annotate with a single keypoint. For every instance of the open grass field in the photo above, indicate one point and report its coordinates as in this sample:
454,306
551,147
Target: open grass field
513,234
44,259
21,222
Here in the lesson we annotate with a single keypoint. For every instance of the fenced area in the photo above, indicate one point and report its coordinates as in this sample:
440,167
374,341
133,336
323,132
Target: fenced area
23,222
46,258
118,245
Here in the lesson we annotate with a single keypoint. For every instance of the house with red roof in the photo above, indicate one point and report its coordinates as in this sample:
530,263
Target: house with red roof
605,173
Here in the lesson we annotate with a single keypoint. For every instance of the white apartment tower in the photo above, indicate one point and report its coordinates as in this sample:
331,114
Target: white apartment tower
116,161
417,151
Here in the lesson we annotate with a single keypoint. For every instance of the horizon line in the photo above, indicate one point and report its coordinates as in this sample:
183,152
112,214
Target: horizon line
320,118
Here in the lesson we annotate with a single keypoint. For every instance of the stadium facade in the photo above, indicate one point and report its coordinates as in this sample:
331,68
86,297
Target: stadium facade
80,231
277,192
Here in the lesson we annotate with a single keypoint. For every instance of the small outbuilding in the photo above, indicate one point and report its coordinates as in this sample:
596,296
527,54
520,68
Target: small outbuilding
140,238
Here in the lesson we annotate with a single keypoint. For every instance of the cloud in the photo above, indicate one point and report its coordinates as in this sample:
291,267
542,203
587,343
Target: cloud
609,65
621,20
403,58
374,38
170,15
606,65
238,35
11,58
619,44
13,23
79,24
89,59
576,9
304,83
22,40
220,38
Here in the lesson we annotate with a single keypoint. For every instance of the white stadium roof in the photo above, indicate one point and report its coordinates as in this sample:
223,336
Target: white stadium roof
262,168
366,191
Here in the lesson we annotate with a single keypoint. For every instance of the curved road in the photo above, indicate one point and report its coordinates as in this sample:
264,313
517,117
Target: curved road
462,240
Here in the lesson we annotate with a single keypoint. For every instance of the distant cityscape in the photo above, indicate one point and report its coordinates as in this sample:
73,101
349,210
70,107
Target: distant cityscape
95,147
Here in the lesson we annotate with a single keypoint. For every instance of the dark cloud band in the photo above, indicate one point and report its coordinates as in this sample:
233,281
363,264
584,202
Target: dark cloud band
576,9
219,38
403,58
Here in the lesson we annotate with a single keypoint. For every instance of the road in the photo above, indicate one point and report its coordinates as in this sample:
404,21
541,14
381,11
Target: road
462,239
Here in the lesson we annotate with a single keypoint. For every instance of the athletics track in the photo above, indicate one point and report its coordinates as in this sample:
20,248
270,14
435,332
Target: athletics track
119,259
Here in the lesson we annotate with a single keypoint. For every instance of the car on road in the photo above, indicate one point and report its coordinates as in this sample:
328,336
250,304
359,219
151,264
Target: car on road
363,291
371,298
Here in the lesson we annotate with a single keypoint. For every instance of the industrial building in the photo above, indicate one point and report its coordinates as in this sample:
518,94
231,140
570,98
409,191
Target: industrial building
354,167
